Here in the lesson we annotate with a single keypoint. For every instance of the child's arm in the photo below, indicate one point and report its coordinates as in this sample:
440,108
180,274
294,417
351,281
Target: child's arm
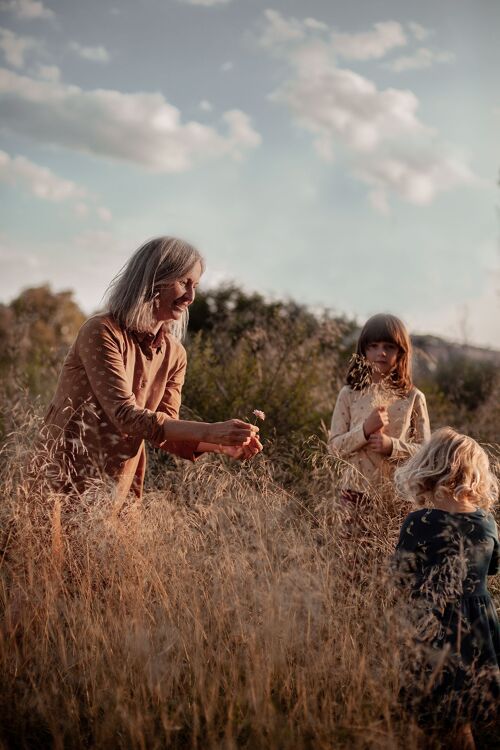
494,567
403,560
419,432
343,440
408,534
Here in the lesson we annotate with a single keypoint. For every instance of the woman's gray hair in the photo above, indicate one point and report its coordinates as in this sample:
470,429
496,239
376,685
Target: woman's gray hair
130,295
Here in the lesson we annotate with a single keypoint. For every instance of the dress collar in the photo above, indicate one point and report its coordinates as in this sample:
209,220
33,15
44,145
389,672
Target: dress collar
150,342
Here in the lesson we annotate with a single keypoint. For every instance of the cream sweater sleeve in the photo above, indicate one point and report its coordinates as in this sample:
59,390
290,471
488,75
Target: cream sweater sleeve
345,440
420,430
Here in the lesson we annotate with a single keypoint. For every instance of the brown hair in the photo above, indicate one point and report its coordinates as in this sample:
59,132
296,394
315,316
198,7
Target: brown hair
382,327
449,463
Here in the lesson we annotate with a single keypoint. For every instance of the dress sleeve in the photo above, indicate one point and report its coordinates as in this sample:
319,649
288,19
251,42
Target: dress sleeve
343,440
170,405
171,400
494,566
408,534
100,350
419,432
403,563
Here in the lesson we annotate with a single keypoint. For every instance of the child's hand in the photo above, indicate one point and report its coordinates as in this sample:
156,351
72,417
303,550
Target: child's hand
377,420
380,443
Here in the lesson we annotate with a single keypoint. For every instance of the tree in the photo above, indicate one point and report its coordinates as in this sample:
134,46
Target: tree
36,330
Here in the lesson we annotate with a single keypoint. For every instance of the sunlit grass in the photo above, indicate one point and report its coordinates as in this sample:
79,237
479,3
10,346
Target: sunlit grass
223,612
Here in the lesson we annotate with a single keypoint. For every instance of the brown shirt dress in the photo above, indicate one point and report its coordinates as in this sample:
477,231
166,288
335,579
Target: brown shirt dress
116,389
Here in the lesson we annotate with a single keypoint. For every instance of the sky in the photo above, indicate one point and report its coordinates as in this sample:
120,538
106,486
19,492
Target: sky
344,155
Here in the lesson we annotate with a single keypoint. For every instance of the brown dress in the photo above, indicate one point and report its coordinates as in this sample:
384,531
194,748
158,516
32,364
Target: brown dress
116,389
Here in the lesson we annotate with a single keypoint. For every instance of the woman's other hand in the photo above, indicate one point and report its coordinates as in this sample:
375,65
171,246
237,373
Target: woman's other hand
377,420
243,452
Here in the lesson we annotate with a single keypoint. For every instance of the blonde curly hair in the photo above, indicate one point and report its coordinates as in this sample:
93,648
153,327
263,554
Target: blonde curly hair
449,463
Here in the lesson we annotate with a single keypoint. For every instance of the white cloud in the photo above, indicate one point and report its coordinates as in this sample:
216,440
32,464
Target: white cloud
370,45
142,128
332,102
104,213
416,176
94,54
279,30
39,181
386,144
14,47
242,133
28,9
312,23
419,32
276,32
206,106
422,58
11,258
48,186
205,3
81,209
48,72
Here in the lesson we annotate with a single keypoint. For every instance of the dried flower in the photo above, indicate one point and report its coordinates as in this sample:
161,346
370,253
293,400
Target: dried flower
384,395
259,414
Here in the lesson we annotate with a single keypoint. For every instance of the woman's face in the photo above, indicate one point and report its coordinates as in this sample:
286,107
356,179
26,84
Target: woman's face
174,297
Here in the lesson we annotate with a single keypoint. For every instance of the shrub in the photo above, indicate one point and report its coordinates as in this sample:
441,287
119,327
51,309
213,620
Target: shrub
467,383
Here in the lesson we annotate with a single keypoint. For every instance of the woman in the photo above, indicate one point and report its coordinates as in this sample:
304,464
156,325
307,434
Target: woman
122,378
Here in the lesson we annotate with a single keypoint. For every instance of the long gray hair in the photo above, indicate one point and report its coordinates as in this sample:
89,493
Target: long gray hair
130,295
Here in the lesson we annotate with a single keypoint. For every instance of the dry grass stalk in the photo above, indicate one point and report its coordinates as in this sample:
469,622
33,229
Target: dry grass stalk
223,613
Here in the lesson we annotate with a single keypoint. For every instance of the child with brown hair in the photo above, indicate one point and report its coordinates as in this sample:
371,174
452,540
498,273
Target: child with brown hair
445,552
379,417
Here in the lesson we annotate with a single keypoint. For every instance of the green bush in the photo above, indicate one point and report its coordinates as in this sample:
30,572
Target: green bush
467,383
36,330
245,353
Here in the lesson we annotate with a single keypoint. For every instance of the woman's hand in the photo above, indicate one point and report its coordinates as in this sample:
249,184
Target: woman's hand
243,452
380,443
233,432
376,421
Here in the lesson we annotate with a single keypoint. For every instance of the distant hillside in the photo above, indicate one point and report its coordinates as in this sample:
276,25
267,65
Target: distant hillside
430,351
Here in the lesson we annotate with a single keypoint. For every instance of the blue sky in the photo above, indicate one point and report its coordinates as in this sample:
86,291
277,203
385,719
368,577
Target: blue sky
342,154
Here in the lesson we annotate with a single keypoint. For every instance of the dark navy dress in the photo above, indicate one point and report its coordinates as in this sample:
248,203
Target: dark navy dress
442,561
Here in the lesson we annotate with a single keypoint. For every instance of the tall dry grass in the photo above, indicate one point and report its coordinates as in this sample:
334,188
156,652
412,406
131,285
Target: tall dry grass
224,612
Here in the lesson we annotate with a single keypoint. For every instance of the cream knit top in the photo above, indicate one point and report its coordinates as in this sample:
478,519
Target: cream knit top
362,469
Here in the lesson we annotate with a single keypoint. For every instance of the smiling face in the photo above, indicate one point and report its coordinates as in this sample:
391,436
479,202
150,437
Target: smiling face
383,356
174,297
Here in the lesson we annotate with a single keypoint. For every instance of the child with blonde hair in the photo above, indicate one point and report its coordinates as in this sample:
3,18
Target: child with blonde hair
380,417
445,552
